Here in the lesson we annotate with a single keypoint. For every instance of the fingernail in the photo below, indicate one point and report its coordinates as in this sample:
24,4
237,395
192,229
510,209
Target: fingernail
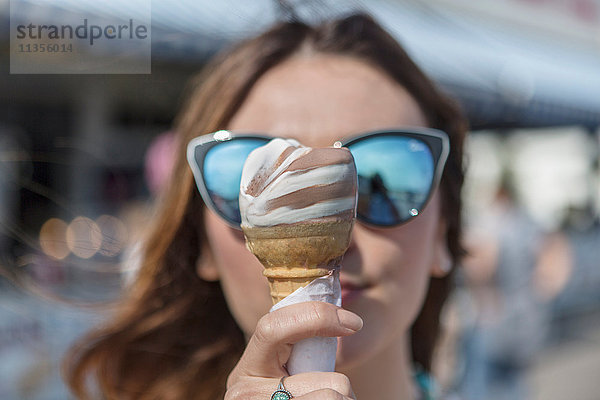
349,320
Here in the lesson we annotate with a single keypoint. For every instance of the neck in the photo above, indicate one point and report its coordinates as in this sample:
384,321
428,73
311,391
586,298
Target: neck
386,376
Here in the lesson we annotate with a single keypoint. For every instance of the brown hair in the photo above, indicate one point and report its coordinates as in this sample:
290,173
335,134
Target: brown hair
173,336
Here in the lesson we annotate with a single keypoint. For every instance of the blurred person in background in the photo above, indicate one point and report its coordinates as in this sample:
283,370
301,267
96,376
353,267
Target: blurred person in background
511,320
192,325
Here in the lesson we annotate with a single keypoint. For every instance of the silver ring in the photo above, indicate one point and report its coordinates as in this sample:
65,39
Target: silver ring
281,393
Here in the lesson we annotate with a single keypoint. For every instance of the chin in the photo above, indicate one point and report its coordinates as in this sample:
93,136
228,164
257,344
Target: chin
383,327
351,355
357,349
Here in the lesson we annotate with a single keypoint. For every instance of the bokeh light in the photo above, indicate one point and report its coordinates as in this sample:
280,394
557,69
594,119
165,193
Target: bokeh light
84,237
53,238
114,235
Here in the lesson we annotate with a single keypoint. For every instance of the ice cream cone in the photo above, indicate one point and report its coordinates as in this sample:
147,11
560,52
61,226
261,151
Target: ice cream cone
294,255
298,206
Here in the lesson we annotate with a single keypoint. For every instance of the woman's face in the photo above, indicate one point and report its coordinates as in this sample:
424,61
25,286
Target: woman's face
319,99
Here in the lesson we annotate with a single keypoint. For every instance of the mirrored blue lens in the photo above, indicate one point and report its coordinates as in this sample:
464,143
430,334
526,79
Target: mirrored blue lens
222,171
395,175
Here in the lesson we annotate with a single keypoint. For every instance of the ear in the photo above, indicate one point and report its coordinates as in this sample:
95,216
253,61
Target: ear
206,267
442,261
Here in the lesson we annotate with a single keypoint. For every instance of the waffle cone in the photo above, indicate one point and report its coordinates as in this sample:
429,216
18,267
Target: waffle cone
294,255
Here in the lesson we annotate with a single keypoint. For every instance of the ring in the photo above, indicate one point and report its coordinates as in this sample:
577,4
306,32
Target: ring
281,393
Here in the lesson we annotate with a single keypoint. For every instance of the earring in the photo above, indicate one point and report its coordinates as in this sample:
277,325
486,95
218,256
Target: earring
444,263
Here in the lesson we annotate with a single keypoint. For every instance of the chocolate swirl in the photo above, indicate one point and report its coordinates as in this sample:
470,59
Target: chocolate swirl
284,182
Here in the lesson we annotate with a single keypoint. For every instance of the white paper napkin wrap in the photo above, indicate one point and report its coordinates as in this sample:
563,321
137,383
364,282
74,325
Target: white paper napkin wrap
317,353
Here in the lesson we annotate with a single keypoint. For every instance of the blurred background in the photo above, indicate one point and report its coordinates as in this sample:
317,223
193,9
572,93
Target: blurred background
83,156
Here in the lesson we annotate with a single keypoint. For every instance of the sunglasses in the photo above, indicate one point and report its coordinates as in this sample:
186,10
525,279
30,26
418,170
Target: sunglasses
398,170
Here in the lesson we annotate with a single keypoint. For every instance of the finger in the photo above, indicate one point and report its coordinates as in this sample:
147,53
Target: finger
324,394
269,348
308,382
298,385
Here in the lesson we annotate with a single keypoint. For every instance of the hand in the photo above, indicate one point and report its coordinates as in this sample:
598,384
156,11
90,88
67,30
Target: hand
257,374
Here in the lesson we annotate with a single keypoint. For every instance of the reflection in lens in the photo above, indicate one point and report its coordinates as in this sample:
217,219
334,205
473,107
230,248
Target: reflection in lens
394,178
223,173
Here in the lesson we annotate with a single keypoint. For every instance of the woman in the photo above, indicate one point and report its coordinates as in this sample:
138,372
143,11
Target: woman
193,325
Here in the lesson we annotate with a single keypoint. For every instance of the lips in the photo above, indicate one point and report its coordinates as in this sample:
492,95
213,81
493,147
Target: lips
350,291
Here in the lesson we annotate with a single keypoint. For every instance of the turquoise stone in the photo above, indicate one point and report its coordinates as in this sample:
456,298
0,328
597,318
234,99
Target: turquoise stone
281,395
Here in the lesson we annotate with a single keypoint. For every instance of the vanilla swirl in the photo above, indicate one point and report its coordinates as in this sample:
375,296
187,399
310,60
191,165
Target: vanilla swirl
285,182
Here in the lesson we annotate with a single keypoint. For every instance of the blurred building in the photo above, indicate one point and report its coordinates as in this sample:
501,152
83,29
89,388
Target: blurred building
72,147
